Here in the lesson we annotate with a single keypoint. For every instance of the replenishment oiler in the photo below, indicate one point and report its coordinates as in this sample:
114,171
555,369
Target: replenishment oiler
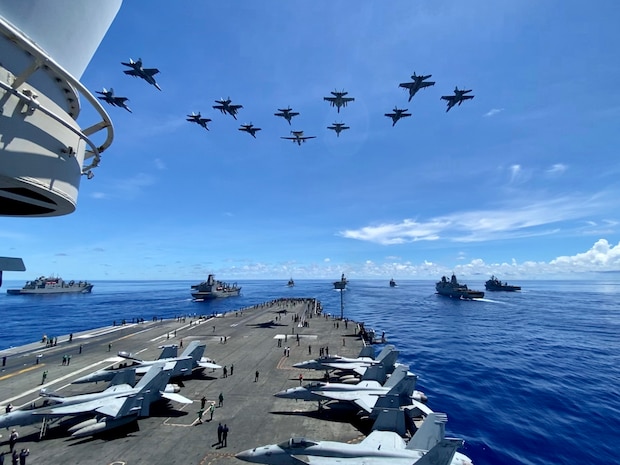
213,289
455,290
45,285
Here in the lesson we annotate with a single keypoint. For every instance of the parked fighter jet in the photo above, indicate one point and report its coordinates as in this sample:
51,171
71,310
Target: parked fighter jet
387,357
250,129
363,395
338,127
339,100
138,71
378,448
118,405
196,118
286,113
417,84
191,359
397,114
298,137
108,96
224,105
458,97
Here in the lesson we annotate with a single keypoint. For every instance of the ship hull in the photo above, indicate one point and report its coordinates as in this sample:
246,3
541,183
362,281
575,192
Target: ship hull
214,295
50,291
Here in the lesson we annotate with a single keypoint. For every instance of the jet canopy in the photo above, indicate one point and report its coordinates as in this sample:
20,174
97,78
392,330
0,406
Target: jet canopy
297,443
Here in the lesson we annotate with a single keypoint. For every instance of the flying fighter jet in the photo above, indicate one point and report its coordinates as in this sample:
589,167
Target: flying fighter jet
286,113
224,105
338,127
118,405
108,96
250,129
417,84
138,71
458,97
378,448
184,365
339,100
298,137
196,118
397,114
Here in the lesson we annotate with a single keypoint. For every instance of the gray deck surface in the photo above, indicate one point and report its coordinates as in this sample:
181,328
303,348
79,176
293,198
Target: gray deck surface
171,435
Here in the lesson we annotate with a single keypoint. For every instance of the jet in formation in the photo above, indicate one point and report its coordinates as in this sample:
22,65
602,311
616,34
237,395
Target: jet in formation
181,366
298,137
338,127
250,129
109,97
286,113
428,446
339,100
397,114
419,82
458,97
118,405
197,118
224,105
138,71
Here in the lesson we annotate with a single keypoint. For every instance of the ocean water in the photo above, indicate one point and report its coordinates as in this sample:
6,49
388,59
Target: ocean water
526,378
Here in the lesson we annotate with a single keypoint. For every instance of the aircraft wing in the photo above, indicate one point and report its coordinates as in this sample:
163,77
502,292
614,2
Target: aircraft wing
426,84
449,98
176,397
109,406
330,99
211,365
384,440
150,71
348,99
289,138
306,137
407,85
467,97
131,72
219,107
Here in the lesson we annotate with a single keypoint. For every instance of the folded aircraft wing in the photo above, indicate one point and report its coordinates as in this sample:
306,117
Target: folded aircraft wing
176,397
384,440
211,365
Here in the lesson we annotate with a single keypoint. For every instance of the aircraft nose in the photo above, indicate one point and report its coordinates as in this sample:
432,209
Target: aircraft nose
246,455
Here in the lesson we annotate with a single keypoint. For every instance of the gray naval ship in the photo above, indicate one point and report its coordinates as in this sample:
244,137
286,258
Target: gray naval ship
455,290
43,285
213,289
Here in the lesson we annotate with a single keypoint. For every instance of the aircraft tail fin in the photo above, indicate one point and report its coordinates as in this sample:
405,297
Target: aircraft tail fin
375,373
367,351
397,376
388,357
168,351
151,384
391,419
442,453
195,349
432,431
405,386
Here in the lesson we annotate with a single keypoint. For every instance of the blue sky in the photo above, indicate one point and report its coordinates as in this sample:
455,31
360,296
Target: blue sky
522,181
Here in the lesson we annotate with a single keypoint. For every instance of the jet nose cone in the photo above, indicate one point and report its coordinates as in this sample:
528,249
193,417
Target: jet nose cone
246,455
287,393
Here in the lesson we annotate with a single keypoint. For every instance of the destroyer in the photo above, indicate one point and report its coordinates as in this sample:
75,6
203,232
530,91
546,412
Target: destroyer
45,285
455,290
495,284
212,289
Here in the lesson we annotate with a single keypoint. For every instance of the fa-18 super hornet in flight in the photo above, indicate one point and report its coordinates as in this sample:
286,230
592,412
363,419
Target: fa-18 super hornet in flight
184,365
338,127
397,114
224,105
196,118
378,448
419,82
250,129
458,97
298,137
108,96
138,71
286,113
118,405
338,100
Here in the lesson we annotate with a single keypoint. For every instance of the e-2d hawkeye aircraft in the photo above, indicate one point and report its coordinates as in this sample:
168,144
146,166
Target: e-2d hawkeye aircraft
109,97
419,82
458,97
250,129
116,406
338,127
138,71
198,119
286,113
397,114
191,359
387,358
364,394
298,137
378,448
339,100
225,106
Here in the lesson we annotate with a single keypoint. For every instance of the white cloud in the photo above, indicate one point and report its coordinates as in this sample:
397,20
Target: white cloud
558,168
493,111
601,257
515,171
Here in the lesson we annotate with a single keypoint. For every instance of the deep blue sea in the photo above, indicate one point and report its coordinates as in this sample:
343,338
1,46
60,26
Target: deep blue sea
530,377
